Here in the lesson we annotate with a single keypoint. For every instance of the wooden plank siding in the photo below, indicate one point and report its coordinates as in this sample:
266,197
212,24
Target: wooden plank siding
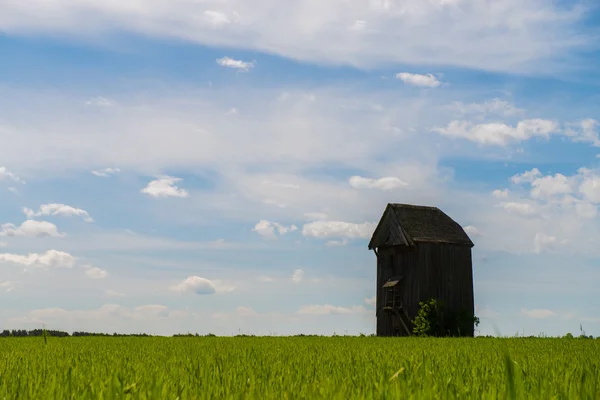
429,270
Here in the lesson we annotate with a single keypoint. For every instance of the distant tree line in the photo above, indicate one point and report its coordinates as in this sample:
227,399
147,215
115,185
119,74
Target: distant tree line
54,333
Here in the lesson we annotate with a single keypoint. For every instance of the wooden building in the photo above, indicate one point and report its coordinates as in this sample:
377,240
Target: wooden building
421,254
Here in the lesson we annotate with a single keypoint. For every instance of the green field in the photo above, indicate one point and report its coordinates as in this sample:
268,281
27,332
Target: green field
298,368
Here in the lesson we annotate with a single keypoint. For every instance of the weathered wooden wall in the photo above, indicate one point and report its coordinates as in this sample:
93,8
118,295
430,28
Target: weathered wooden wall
429,270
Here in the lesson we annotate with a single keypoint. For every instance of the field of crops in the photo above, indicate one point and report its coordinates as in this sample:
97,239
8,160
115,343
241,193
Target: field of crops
298,368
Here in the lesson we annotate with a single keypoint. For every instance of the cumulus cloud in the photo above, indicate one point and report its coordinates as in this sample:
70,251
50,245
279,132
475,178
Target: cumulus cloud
49,259
554,212
198,285
164,186
58,209
6,175
298,276
542,242
328,309
590,188
500,194
472,231
31,228
499,134
538,313
235,64
267,229
427,80
324,229
385,183
95,272
519,208
548,186
526,177
105,172
586,131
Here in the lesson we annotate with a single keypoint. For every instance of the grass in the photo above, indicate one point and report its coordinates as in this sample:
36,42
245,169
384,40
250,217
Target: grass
298,368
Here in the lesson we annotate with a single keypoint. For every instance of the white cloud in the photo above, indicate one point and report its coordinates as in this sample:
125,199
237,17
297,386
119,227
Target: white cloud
105,172
100,102
538,313
526,177
418,79
58,209
164,186
267,229
472,231
8,286
298,276
95,272
500,194
555,213
235,64
590,188
3,244
113,293
31,228
511,35
586,210
586,131
198,285
6,175
266,279
85,319
386,183
336,243
499,134
217,18
49,259
293,132
371,300
328,309
493,107
152,310
549,186
542,242
323,229
519,208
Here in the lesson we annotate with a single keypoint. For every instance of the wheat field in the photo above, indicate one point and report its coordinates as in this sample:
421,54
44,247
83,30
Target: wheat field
298,368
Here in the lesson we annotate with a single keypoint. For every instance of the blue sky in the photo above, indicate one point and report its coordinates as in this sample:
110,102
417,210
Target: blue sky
219,166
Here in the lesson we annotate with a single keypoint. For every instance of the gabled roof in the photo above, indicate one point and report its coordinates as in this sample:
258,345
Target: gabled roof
406,224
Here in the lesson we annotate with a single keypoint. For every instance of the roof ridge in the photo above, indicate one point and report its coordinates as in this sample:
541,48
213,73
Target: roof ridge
404,205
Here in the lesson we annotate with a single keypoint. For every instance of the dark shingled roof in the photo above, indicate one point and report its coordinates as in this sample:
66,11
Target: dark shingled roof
407,224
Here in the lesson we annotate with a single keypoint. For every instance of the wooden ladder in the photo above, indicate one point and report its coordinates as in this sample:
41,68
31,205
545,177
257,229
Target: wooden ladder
401,319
